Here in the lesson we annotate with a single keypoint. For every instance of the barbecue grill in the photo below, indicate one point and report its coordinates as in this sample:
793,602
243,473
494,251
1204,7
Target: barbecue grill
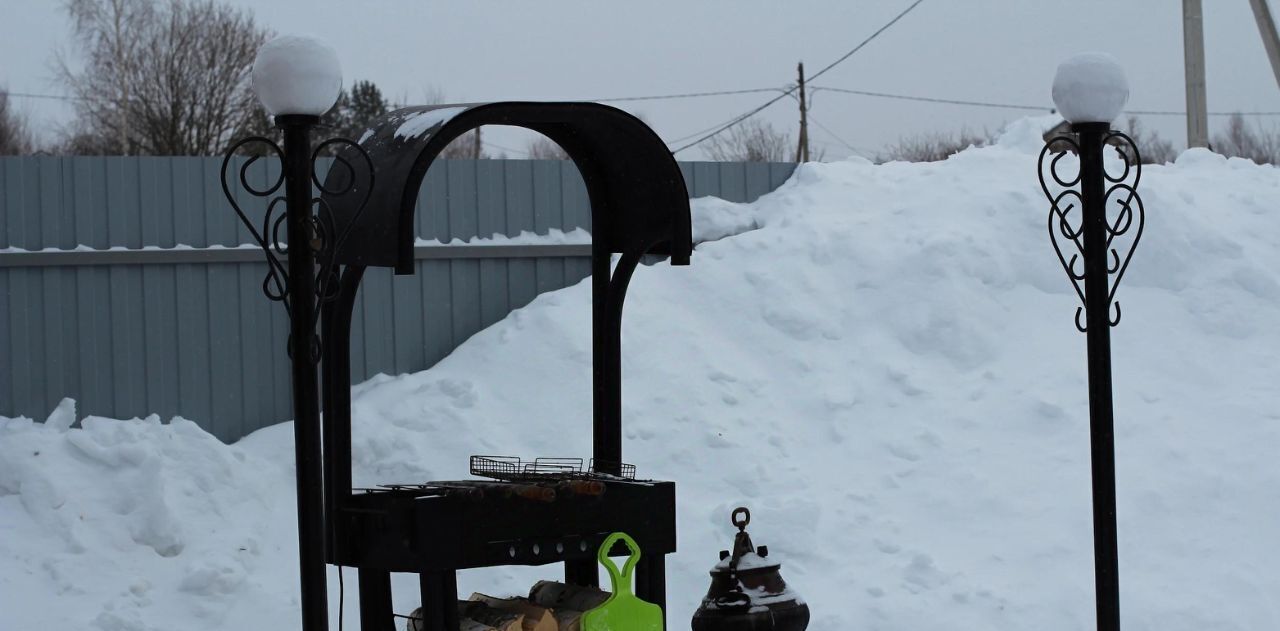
549,510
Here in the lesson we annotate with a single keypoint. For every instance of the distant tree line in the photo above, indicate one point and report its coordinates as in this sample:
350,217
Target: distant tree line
15,138
171,77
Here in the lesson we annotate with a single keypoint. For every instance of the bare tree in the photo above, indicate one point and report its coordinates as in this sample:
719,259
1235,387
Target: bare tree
1253,143
543,148
15,136
468,146
1152,149
932,147
167,78
752,140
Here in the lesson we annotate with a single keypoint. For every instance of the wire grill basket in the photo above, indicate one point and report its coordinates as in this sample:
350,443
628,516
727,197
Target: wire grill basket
515,469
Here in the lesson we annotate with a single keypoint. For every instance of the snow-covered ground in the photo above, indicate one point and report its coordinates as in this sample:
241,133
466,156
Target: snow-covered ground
885,371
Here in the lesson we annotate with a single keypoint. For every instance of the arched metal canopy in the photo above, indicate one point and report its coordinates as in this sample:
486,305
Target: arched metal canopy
639,203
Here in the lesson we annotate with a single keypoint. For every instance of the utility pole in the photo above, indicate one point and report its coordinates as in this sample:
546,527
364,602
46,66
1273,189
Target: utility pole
1267,28
1193,58
802,149
475,148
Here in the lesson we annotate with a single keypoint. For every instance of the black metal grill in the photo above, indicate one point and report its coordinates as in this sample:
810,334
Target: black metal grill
528,513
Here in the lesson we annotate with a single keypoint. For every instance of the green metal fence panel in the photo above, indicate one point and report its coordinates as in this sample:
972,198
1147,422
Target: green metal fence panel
187,332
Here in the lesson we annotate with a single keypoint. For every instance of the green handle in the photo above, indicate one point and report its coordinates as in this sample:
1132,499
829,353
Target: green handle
621,580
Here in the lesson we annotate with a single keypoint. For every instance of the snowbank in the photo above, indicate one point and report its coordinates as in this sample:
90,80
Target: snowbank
885,371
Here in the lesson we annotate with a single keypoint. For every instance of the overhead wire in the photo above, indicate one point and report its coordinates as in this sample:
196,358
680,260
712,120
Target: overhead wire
930,99
832,134
687,95
704,130
1017,106
842,58
32,95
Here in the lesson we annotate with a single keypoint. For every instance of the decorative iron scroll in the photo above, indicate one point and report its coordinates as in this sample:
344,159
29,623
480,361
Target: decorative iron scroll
1124,214
326,240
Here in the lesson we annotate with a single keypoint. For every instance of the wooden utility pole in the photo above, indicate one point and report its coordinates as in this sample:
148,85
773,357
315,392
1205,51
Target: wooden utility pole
1270,40
1193,57
475,148
802,149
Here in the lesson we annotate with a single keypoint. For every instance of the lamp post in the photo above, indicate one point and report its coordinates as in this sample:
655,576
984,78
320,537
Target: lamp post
1095,221
297,79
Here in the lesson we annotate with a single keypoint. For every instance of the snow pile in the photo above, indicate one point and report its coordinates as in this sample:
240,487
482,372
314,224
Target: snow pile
136,525
885,371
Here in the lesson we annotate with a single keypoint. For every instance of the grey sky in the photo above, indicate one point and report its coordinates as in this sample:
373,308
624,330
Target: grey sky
980,50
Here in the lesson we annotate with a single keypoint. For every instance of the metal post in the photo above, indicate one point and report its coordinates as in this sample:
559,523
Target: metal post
303,354
1096,217
1098,330
1270,39
1193,59
802,149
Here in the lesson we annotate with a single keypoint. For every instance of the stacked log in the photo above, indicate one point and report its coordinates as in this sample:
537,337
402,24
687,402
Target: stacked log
551,606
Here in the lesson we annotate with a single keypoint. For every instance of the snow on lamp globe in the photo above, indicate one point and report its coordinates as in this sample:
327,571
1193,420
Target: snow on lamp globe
1090,88
295,74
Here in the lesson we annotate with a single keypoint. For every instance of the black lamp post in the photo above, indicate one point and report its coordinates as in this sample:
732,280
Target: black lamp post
1095,221
297,79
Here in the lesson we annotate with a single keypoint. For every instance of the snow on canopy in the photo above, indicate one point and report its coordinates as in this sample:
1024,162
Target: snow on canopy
881,363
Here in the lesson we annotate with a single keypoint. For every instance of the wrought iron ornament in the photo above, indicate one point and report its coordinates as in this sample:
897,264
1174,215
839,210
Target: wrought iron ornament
326,237
1095,224
1123,214
302,277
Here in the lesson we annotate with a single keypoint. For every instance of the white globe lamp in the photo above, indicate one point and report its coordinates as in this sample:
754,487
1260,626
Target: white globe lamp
295,75
1090,88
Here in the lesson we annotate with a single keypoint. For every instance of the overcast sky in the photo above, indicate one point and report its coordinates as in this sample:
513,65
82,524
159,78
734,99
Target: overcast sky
980,50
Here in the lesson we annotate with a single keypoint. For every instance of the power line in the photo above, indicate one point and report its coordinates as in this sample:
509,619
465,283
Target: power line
928,99
504,148
1017,106
833,134
867,40
788,92
730,122
1173,113
30,95
735,120
687,95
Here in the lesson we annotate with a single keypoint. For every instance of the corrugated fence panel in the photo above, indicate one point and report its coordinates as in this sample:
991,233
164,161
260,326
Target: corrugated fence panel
491,219
522,274
7,329
199,340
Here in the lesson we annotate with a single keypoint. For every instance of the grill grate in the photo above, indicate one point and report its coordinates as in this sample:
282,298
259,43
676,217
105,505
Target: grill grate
512,468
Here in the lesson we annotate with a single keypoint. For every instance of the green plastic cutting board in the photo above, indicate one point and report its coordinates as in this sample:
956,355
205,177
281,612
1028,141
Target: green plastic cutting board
622,611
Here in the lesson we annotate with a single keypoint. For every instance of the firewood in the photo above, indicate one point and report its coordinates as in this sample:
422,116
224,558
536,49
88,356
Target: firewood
474,616
534,618
499,619
563,596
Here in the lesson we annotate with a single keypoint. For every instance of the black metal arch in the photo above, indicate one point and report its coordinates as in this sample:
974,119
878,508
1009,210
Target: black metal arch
639,206
639,203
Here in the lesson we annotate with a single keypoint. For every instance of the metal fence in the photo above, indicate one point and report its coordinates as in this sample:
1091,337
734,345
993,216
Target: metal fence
131,293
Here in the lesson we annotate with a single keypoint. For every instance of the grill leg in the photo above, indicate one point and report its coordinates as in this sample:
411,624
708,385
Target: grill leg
439,600
375,601
584,572
651,582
